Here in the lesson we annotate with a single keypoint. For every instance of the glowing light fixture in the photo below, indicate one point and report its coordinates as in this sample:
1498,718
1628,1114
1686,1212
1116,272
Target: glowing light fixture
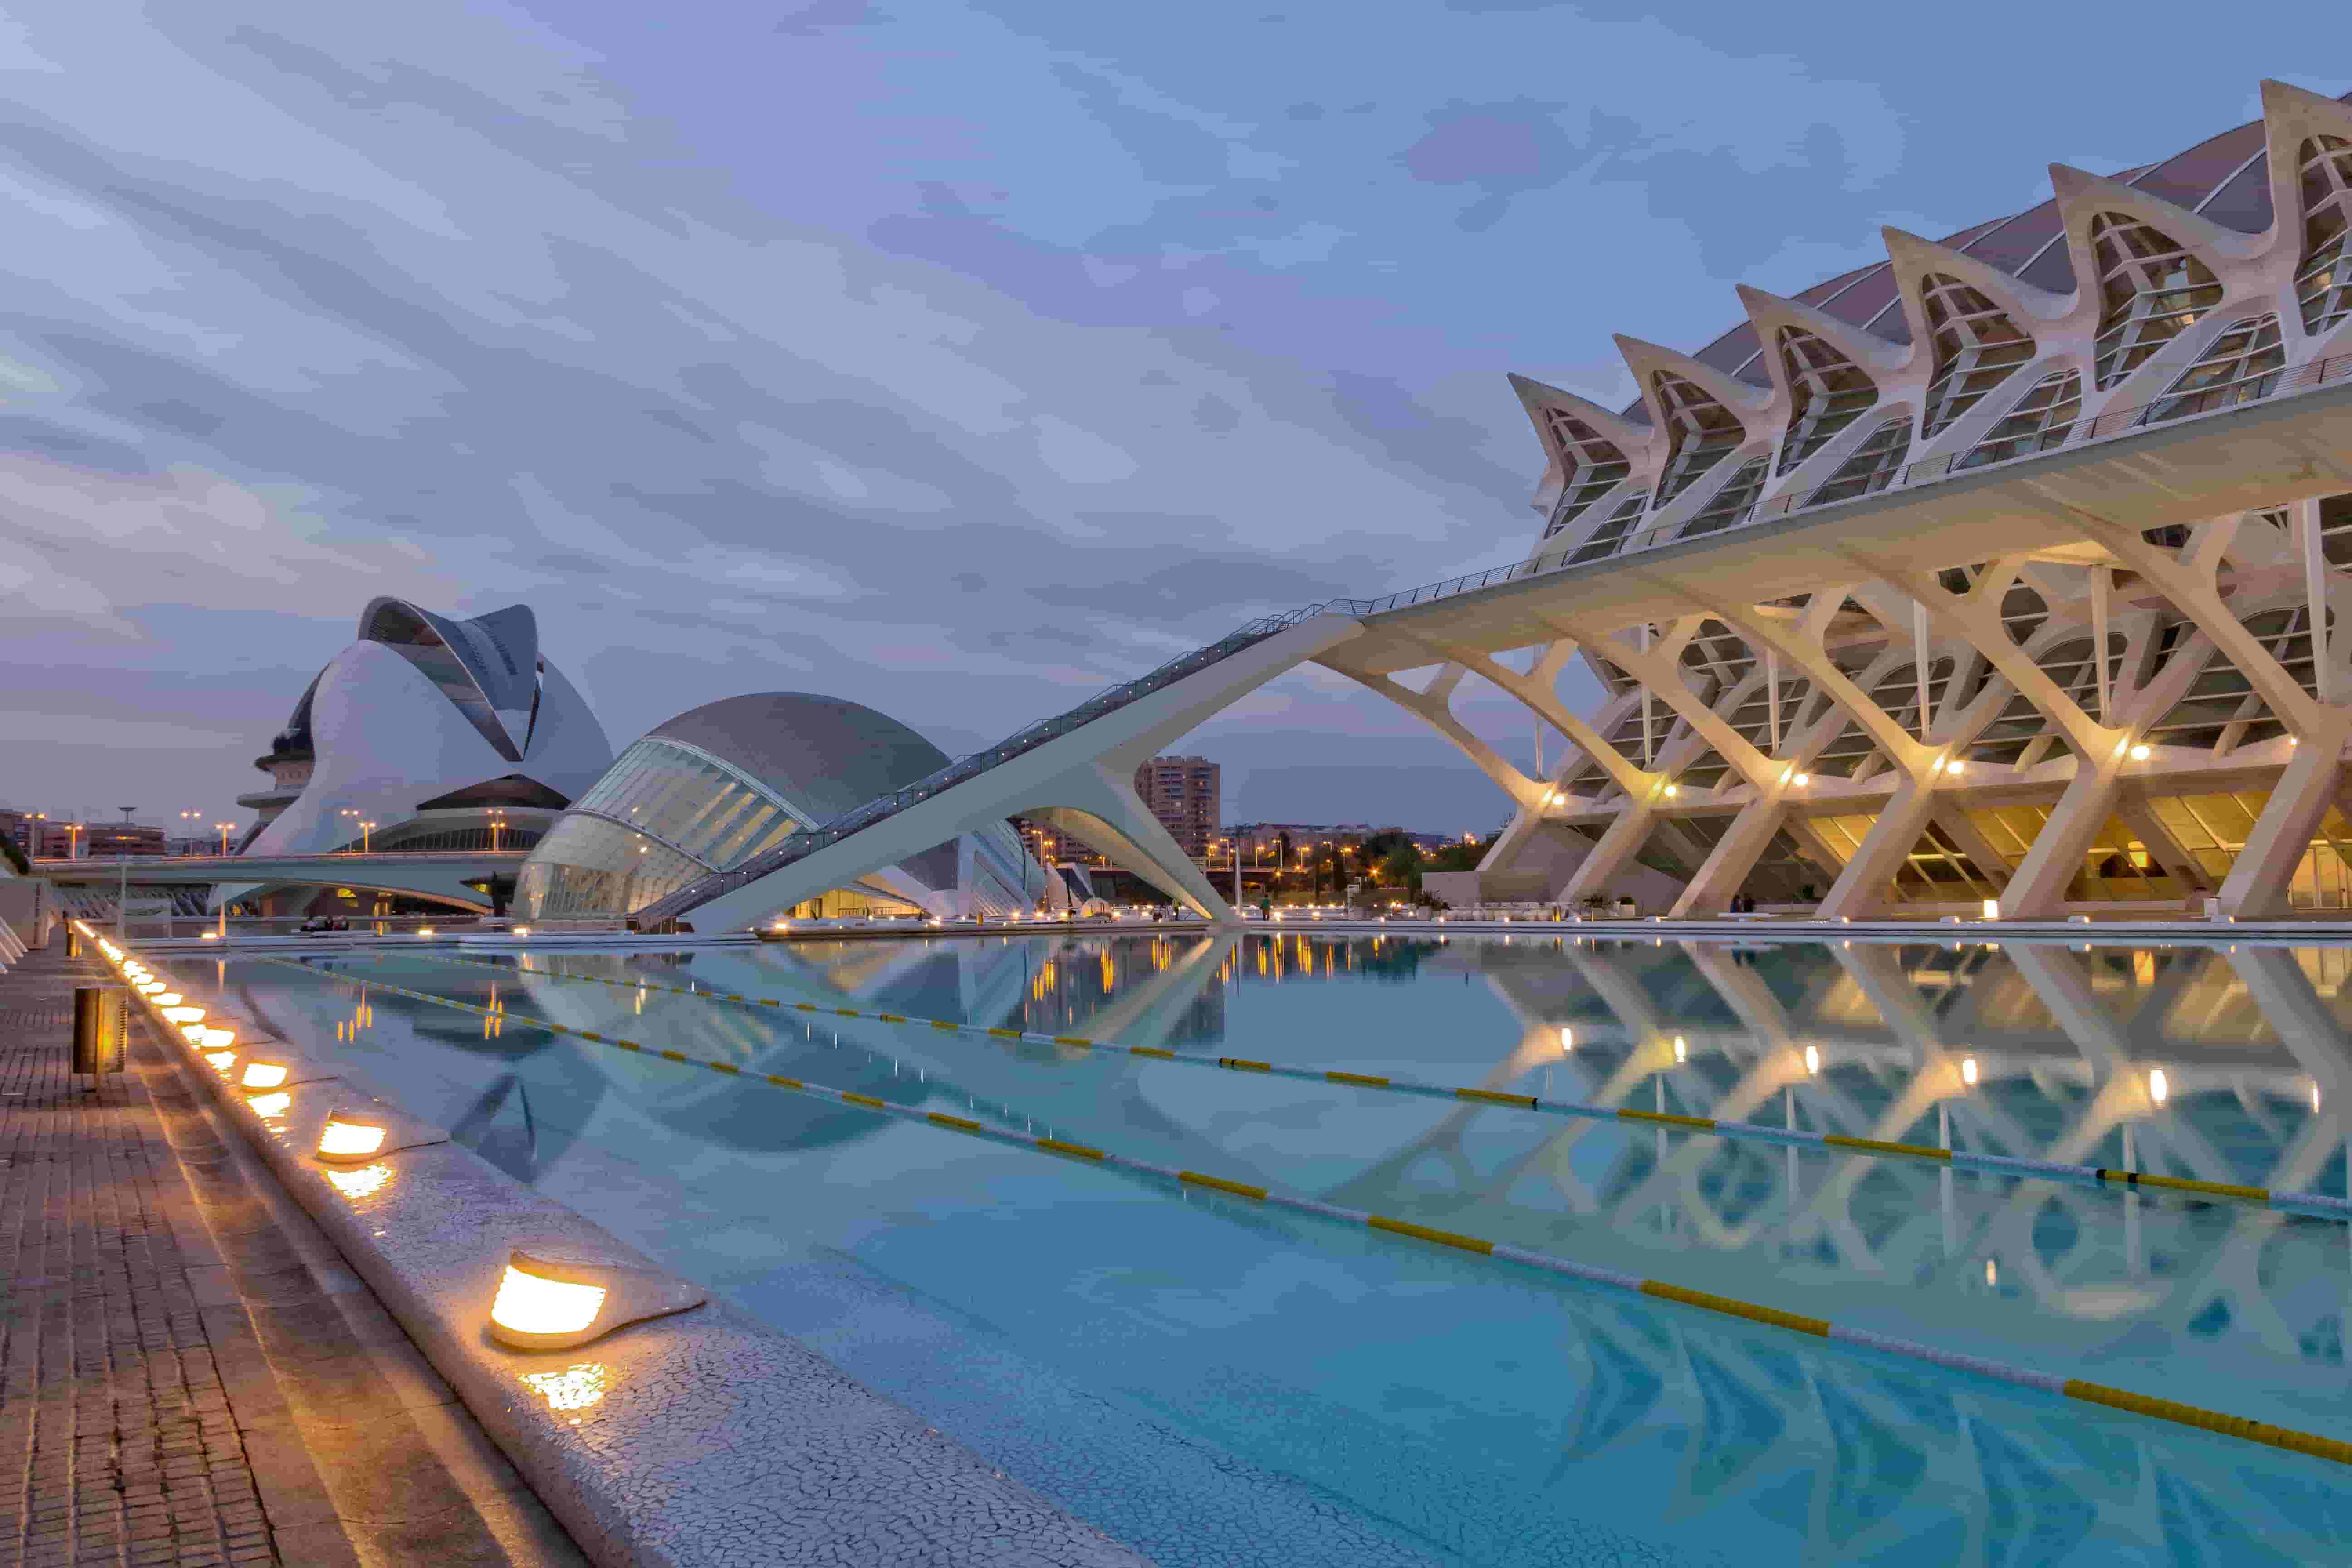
548,1304
424,930
263,1075
2315,1095
268,1105
1682,1050
211,936
220,1059
1567,1039
149,987
1804,779
1812,1058
541,1305
2139,753
522,930
214,1040
168,999
194,1032
2157,1088
1969,1071
350,1137
1992,908
183,1016
1955,765
1992,1272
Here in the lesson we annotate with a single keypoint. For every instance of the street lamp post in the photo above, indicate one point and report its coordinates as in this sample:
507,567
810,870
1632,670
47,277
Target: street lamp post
223,828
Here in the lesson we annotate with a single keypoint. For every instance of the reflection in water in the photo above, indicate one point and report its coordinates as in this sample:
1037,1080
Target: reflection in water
2032,1051
509,1142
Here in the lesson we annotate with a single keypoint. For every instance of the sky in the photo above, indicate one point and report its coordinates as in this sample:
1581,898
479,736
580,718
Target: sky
955,359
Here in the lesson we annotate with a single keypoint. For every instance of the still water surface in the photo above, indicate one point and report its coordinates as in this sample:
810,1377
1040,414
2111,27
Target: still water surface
1217,1383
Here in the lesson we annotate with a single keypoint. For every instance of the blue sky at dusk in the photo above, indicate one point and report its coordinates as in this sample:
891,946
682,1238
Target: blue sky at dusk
958,360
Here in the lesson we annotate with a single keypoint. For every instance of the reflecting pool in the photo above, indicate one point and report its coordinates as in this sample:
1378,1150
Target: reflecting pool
1219,1382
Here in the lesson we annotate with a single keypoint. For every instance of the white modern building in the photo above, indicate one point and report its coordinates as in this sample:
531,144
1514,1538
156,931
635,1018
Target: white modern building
427,732
720,783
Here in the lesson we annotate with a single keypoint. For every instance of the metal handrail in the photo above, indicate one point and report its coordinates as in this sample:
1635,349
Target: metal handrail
2174,405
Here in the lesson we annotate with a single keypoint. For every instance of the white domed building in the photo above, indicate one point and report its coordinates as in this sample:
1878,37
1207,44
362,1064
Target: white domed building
721,783
441,734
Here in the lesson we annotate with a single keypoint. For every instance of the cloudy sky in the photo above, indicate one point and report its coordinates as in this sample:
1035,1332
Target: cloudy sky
957,359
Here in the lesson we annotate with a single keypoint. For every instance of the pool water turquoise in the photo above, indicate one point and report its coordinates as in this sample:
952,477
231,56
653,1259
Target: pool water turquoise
1219,1382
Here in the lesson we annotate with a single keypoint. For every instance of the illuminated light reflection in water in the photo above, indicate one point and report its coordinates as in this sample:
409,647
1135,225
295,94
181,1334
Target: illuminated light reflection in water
1212,1381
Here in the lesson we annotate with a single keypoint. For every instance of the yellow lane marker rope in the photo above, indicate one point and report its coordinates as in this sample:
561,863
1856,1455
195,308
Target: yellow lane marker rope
2314,1204
2310,1444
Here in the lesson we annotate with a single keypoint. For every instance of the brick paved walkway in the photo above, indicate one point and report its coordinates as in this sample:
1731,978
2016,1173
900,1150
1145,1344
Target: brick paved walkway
189,1372
117,1439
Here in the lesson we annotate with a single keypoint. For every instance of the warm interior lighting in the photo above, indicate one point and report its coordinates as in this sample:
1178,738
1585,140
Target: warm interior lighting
1812,1058
215,1039
1682,1050
193,1033
348,1137
2139,753
1804,779
183,1016
168,999
211,936
1992,908
149,987
268,1105
522,930
1567,1039
220,1059
2157,1088
534,1302
424,930
1969,1071
264,1074
2315,1096
1955,765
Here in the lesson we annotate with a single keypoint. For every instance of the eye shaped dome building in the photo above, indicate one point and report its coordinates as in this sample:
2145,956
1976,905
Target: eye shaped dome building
719,783
426,727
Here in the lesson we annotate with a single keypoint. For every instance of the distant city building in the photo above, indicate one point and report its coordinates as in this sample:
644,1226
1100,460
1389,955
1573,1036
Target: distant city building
18,827
1185,793
107,840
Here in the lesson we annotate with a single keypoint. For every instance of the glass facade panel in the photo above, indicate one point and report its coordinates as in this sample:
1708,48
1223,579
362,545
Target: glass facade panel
2039,422
2151,290
1977,345
1593,465
2239,365
1702,431
1829,392
1730,505
2323,284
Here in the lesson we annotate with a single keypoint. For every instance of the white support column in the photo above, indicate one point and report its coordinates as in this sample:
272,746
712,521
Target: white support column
1772,697
1617,845
2039,885
2256,887
1920,664
1734,855
2314,596
1648,762
1862,887
2099,581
